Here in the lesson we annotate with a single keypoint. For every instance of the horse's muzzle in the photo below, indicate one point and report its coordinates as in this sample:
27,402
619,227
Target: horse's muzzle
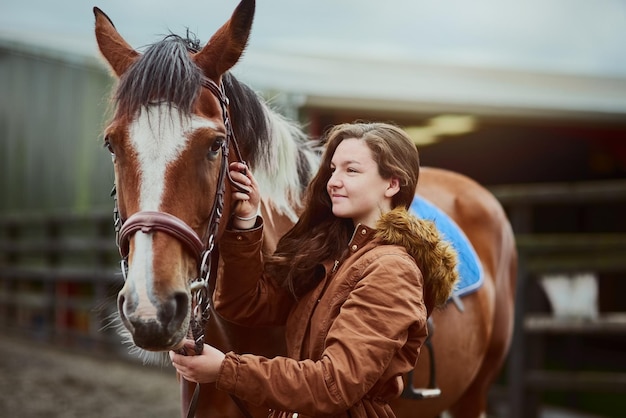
160,332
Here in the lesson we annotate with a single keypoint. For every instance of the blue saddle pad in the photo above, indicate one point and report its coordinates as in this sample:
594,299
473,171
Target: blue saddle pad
470,270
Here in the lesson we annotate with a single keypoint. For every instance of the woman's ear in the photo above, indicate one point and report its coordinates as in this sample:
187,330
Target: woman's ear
393,188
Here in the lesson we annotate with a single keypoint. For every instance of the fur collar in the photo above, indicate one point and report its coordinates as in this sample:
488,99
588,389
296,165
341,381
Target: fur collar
435,257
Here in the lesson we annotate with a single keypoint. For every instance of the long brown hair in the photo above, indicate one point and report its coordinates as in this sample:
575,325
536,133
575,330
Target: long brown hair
319,235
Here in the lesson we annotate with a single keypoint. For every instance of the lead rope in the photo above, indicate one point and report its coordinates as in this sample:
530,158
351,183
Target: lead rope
198,335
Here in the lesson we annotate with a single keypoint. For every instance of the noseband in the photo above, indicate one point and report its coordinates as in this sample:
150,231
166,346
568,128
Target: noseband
149,221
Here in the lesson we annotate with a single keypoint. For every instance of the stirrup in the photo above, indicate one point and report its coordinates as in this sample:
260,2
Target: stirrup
410,392
432,391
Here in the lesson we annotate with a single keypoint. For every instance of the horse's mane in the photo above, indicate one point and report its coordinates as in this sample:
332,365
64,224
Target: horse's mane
281,156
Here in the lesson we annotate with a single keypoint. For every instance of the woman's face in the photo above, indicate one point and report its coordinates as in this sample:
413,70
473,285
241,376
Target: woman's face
355,187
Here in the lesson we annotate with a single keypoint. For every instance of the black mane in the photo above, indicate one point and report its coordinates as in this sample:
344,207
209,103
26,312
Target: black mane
249,119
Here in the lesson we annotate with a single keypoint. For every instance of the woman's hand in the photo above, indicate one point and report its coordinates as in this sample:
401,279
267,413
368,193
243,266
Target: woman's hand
202,368
245,205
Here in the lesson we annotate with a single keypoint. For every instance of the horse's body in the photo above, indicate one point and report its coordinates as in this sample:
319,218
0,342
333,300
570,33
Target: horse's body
470,346
167,155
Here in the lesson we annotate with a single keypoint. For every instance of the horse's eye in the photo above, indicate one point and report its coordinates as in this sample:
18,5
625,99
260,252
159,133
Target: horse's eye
108,146
216,146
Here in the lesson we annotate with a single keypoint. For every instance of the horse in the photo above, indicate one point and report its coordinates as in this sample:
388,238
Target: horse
180,118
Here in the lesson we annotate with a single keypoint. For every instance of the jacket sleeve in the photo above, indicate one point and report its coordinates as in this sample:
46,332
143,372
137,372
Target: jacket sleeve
383,311
243,295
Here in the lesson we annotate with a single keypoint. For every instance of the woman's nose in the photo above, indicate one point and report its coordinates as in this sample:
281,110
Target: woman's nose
333,181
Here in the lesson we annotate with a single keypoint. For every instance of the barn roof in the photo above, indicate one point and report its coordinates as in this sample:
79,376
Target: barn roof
357,81
363,82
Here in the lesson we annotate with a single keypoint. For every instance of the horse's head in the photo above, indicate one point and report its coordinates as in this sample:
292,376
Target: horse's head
169,138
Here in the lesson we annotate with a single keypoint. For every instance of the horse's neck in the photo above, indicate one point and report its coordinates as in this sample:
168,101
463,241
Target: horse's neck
275,225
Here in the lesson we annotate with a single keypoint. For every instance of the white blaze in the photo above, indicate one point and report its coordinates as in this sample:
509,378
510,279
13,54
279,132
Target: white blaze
158,136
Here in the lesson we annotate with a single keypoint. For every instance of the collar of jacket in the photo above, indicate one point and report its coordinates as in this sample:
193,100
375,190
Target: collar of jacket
362,235
435,257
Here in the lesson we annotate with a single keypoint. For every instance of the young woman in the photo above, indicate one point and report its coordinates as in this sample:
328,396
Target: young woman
353,282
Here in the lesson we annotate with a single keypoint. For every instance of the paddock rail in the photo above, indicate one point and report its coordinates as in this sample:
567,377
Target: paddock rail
59,276
564,228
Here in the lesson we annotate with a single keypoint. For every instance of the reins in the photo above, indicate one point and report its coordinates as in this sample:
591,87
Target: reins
200,247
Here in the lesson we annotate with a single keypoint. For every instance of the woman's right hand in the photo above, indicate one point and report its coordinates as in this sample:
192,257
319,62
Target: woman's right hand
202,368
245,205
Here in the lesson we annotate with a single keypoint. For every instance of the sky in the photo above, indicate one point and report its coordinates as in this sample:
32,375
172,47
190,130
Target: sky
562,36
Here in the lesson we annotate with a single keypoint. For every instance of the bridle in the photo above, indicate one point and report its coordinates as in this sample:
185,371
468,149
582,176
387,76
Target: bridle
200,247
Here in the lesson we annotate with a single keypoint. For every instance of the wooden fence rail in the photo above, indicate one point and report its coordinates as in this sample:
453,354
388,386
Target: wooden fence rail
565,252
59,277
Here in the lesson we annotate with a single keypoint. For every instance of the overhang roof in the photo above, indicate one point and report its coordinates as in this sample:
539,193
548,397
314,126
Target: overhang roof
358,82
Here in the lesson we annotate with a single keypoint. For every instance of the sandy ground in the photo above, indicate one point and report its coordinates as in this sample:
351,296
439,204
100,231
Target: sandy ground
48,381
45,381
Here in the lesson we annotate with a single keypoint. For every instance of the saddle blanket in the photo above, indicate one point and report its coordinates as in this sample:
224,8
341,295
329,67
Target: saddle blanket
470,270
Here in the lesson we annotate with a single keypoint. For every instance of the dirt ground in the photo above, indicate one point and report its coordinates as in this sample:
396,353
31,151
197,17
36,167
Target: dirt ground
41,380
45,381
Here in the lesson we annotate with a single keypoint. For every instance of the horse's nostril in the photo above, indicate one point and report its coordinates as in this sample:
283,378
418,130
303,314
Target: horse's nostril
174,311
121,309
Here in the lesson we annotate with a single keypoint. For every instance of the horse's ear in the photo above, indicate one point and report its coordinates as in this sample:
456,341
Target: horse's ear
227,44
119,54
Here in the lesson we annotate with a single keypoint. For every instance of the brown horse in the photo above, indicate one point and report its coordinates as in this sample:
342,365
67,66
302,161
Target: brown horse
180,117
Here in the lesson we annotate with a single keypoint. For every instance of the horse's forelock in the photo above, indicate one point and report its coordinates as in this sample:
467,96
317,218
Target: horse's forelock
166,73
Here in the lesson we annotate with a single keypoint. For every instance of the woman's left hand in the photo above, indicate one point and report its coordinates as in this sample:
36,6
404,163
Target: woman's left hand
245,203
202,368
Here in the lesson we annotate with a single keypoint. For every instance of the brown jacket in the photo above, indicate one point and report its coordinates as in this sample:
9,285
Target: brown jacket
351,338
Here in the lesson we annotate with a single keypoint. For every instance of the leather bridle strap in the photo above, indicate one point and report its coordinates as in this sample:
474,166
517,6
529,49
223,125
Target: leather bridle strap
216,214
148,221
218,92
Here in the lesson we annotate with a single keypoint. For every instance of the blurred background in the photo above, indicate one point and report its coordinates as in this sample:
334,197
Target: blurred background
526,97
